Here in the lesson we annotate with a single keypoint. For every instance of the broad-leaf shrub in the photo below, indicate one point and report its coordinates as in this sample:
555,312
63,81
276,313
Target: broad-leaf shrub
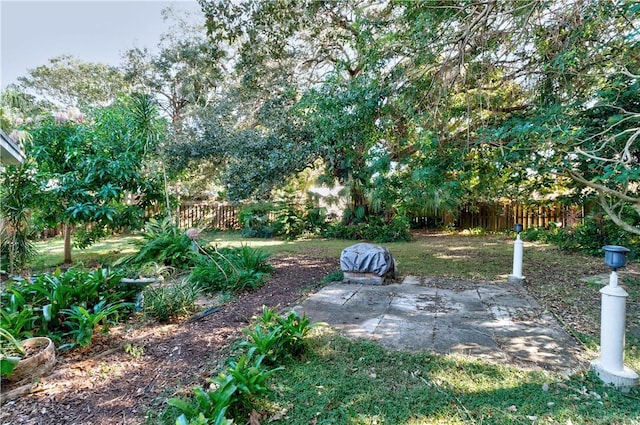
276,337
588,237
372,229
256,220
236,389
54,304
287,220
83,322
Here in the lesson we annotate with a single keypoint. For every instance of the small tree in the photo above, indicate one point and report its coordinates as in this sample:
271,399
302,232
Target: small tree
92,171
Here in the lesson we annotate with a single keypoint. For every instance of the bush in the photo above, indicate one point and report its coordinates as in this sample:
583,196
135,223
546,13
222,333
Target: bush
255,220
271,339
278,338
164,243
167,302
289,223
231,269
373,229
588,237
63,304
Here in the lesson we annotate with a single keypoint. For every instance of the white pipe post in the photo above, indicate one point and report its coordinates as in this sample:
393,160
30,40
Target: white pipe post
610,366
518,249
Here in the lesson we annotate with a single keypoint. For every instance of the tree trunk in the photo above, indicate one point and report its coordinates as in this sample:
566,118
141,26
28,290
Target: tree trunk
67,243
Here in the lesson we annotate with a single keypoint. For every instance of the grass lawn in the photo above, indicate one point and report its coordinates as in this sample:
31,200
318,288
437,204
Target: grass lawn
346,382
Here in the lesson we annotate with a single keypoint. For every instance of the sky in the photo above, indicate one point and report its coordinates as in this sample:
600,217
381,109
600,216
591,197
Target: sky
32,32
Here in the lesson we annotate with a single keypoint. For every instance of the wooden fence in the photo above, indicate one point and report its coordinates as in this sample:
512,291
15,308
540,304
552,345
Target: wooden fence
487,216
208,215
505,216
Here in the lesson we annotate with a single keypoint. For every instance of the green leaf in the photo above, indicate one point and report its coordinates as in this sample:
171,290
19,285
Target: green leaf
46,312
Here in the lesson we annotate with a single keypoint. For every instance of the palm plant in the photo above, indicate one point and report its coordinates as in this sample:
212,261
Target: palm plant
18,192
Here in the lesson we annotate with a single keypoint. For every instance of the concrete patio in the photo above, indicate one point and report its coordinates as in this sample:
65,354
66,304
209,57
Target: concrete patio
492,321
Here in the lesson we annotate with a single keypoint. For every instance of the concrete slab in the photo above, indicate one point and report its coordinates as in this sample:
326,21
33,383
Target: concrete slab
498,322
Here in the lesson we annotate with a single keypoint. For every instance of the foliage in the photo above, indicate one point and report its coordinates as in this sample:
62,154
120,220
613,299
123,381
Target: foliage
16,108
236,390
63,81
11,351
18,194
244,381
82,322
61,304
373,228
294,218
166,302
182,74
87,167
256,220
588,237
278,338
163,243
289,222
231,269
418,106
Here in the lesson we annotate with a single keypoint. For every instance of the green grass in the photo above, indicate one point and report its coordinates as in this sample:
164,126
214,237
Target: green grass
474,257
346,382
108,250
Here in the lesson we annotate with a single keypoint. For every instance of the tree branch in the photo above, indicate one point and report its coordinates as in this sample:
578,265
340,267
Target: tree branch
616,218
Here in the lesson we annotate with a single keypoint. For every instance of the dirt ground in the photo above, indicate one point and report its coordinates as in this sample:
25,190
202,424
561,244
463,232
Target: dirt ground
130,373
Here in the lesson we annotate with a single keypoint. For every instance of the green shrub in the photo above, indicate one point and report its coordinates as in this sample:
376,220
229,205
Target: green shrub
231,269
289,222
278,338
164,243
588,237
163,303
82,322
63,304
373,229
236,389
293,221
255,220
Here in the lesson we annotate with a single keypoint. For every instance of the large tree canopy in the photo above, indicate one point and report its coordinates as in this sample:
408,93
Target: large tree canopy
67,81
412,106
456,101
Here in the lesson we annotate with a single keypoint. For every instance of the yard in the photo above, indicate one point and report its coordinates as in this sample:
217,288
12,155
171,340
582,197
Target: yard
127,376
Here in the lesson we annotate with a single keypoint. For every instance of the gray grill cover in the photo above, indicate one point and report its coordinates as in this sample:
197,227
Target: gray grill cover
366,258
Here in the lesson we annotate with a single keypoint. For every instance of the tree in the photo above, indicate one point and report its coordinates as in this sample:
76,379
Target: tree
284,49
67,81
92,170
17,107
481,98
184,72
581,128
